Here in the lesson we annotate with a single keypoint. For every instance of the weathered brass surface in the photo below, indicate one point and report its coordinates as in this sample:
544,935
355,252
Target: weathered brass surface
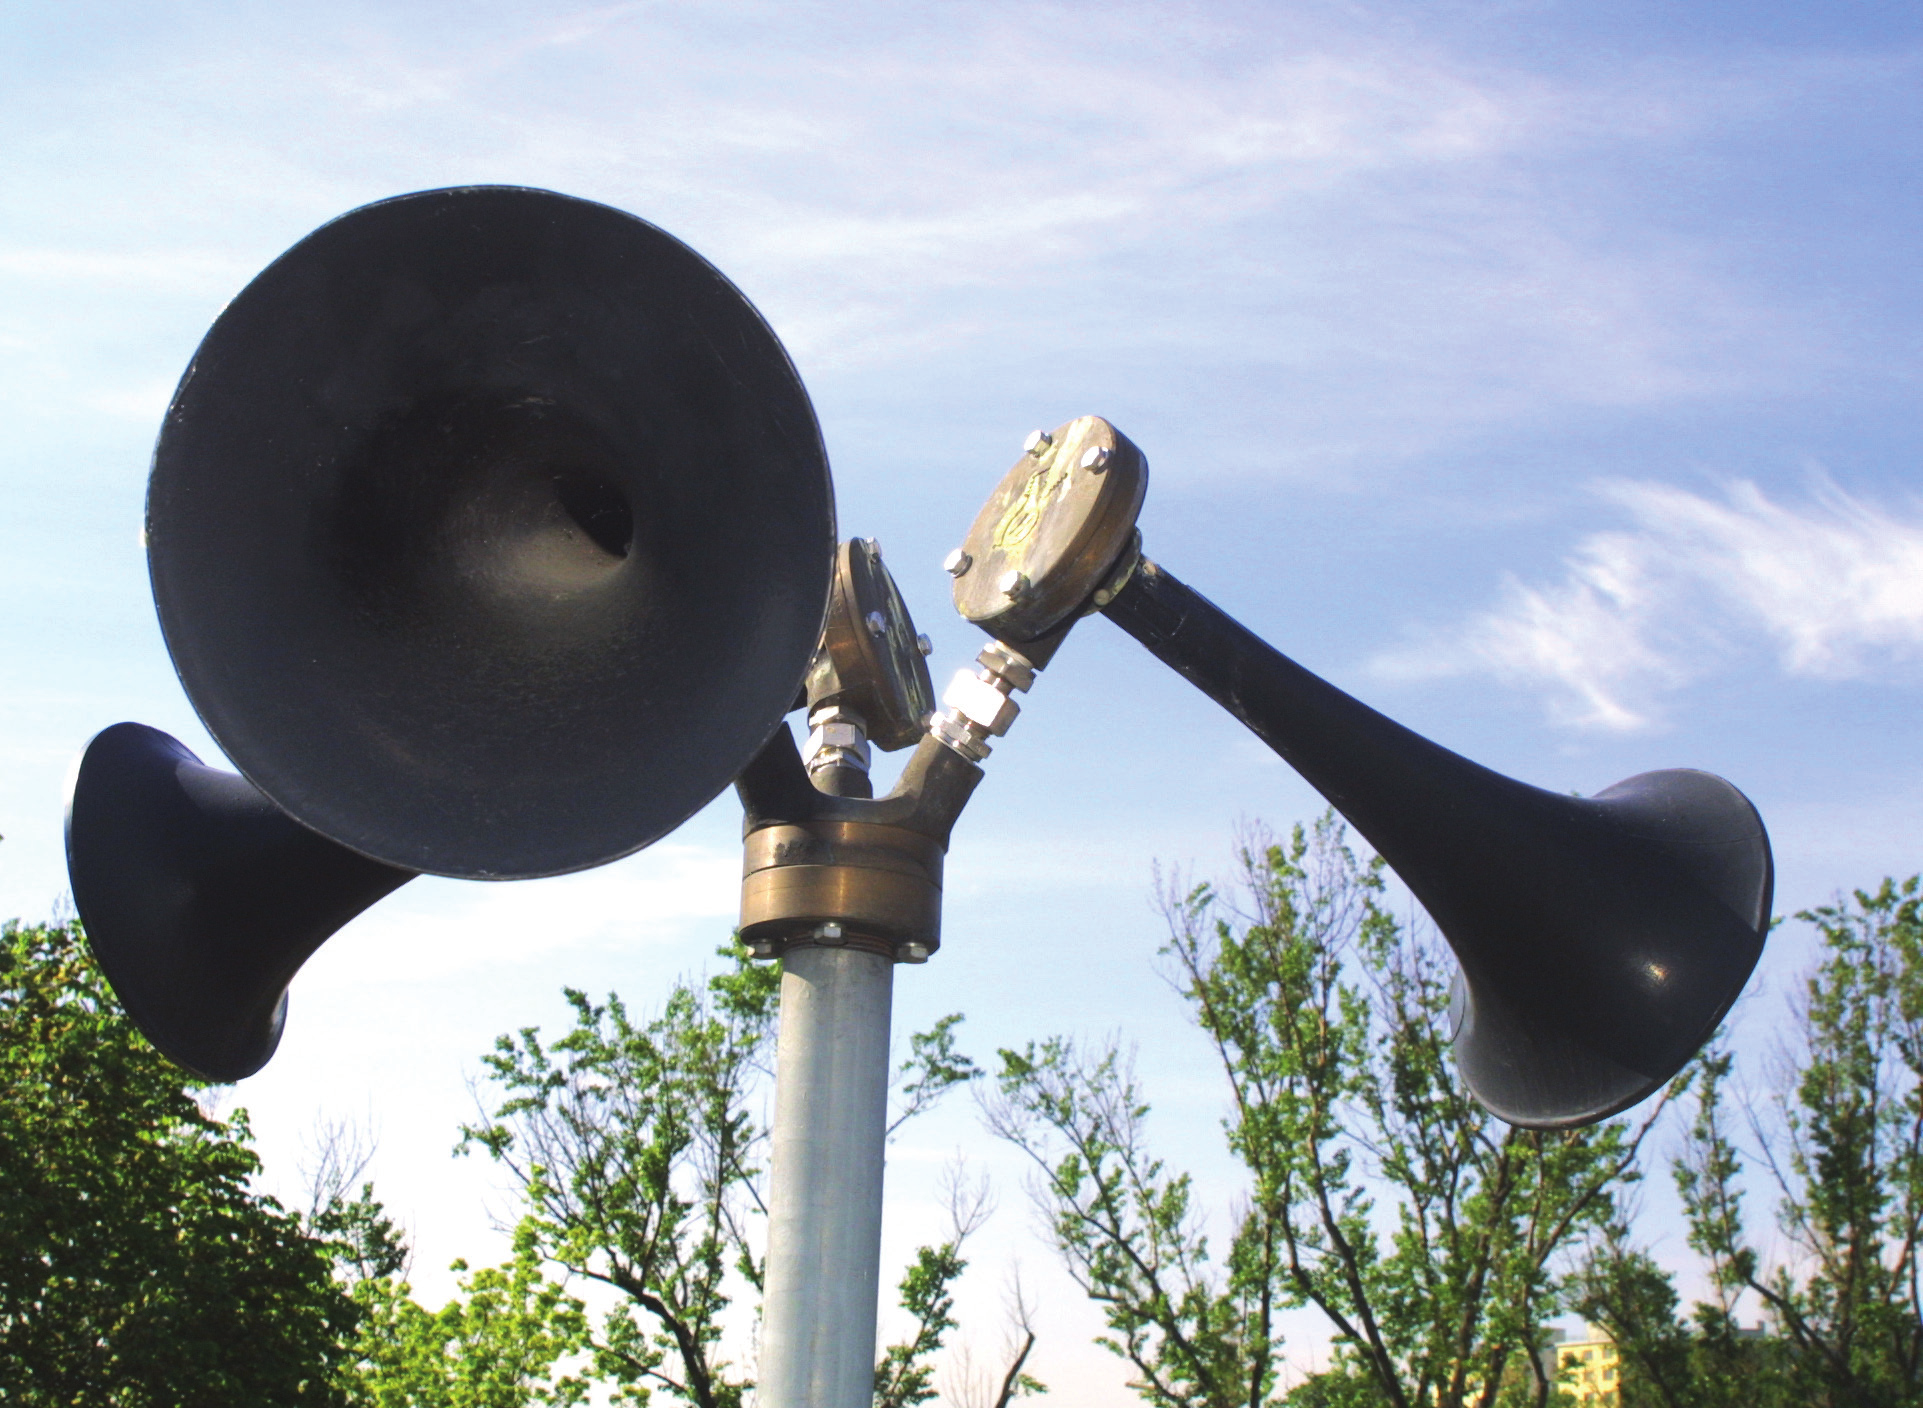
870,661
1050,535
879,883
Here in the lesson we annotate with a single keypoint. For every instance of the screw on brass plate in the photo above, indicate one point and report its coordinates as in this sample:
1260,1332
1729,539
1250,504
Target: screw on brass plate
957,562
1037,441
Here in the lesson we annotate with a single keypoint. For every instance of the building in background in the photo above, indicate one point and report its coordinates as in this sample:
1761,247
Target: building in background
1588,1368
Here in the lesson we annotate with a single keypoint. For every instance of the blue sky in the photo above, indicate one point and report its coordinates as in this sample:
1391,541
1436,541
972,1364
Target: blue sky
1546,374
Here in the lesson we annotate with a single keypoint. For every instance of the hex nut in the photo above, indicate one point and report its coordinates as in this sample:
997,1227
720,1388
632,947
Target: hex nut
877,624
1037,441
978,701
1095,458
957,562
924,645
950,728
1012,583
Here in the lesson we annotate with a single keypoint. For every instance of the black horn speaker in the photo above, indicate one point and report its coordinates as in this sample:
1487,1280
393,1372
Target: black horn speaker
491,534
1600,939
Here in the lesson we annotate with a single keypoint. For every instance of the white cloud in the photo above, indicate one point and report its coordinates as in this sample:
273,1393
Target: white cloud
1834,584
1256,198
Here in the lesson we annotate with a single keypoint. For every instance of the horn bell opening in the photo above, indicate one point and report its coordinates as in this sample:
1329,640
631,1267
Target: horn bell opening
200,898
491,532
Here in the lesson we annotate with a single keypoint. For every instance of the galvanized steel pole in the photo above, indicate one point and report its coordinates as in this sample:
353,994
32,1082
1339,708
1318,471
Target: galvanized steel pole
824,1225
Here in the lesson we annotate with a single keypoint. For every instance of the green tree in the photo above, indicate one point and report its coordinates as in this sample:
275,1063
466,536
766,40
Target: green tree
503,1342
1330,1024
637,1148
137,1265
1840,1142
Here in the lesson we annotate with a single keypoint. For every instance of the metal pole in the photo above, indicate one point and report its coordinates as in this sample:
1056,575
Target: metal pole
824,1224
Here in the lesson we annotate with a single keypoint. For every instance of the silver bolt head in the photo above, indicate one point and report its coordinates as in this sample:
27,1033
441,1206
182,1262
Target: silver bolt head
828,931
874,548
1095,458
877,624
912,953
924,645
1012,583
1037,441
762,948
957,562
1104,597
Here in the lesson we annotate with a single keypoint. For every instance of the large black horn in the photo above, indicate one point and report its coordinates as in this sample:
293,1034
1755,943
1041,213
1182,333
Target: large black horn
1601,939
491,535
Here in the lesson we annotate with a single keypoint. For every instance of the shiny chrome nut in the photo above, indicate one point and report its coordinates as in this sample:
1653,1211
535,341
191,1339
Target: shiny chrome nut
957,562
1037,441
1095,459
877,623
912,953
959,734
924,645
836,743
1003,660
978,701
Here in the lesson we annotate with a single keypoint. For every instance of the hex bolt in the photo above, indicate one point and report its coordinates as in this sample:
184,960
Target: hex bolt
957,562
1012,584
828,933
1095,459
912,953
874,548
924,645
1037,441
877,624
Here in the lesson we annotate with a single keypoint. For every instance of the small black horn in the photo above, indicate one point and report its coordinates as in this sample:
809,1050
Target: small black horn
1601,939
201,898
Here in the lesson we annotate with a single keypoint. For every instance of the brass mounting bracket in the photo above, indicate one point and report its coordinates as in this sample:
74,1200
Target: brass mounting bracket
852,871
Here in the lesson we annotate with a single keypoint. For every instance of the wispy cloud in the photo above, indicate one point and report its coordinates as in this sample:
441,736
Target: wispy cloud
1833,584
1359,242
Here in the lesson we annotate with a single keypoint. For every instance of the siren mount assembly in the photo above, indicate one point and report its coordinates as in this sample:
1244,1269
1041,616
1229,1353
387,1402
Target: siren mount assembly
492,536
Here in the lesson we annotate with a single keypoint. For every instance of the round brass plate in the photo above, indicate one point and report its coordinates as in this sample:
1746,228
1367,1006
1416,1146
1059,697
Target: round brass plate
1050,533
870,661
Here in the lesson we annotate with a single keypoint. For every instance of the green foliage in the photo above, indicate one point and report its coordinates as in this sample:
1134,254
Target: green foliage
1842,1144
637,1151
137,1267
635,1146
365,1243
906,1374
933,1068
1330,1026
497,1345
